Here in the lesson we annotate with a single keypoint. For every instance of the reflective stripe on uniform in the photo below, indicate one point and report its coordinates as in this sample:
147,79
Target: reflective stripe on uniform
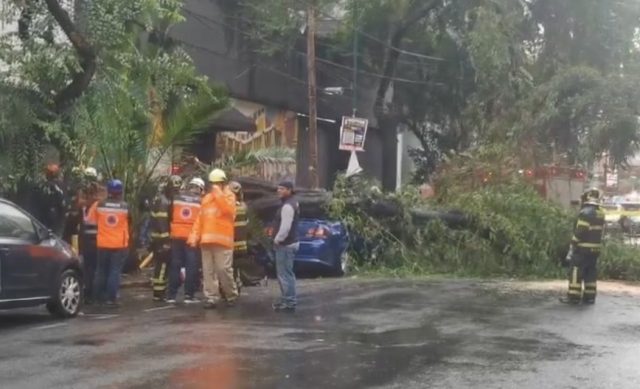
160,284
112,210
159,234
186,203
160,214
582,223
590,245
590,288
241,224
575,288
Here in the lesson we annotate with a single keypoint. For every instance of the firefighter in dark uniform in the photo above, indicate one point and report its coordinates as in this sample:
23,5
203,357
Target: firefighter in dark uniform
159,232
241,233
88,238
53,203
586,245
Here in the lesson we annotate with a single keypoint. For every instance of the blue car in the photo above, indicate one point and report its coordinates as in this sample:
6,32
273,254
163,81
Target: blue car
323,249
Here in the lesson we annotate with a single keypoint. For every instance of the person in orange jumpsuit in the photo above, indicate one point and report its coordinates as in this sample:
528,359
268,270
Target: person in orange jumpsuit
213,230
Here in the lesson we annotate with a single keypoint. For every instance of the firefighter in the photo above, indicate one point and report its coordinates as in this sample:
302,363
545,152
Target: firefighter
81,183
184,212
53,203
159,232
112,218
241,259
585,249
213,230
87,239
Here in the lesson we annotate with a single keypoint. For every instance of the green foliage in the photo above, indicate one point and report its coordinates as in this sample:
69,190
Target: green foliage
513,232
619,261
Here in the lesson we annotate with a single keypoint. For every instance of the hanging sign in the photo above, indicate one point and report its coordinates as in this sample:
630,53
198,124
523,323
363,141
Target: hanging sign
353,133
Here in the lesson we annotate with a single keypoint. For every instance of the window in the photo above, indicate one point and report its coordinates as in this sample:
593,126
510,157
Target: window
15,224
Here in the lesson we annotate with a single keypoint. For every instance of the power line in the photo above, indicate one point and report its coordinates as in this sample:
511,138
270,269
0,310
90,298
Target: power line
199,17
386,44
341,50
366,35
269,68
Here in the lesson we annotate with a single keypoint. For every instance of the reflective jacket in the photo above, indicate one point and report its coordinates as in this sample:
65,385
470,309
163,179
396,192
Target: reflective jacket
587,235
215,222
159,221
241,229
185,211
112,219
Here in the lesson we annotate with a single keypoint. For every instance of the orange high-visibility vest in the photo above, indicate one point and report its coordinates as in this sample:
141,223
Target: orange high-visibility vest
215,223
186,208
113,224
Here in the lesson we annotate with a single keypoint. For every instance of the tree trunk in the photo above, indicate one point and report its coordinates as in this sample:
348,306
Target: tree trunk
86,57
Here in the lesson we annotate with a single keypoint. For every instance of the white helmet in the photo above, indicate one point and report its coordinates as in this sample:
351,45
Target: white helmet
91,172
197,181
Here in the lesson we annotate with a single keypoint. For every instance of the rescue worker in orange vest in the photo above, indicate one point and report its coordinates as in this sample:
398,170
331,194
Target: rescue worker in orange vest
184,212
112,218
159,225
213,230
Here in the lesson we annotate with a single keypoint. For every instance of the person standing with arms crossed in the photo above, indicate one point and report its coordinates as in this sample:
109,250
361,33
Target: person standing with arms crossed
112,219
213,230
286,244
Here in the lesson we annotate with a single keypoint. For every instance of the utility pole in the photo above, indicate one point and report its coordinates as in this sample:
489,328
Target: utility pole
354,90
313,114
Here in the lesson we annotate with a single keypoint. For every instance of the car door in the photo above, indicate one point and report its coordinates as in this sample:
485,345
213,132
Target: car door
21,271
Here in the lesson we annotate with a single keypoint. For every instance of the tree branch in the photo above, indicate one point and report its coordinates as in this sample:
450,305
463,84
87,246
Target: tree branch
391,57
86,56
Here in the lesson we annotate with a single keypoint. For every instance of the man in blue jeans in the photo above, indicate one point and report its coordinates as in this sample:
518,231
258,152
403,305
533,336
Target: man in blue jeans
285,246
184,211
112,218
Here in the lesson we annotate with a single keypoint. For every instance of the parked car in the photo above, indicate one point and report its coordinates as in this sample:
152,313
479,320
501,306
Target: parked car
323,246
323,249
36,267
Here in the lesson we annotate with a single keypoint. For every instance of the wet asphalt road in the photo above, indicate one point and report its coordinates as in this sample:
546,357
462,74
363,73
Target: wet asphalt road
347,334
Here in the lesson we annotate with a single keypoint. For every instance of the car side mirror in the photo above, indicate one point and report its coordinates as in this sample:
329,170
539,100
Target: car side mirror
44,234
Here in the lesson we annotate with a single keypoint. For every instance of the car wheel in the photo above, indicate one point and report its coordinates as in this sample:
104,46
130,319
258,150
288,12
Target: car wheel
68,298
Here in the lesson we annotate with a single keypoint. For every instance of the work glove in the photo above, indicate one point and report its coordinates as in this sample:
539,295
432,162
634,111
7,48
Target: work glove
567,260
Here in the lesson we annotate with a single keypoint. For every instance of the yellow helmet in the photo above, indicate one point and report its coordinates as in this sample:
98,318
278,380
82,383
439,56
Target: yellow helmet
217,175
